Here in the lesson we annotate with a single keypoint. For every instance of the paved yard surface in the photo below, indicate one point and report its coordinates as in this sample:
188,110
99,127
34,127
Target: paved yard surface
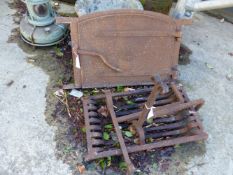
211,42
26,140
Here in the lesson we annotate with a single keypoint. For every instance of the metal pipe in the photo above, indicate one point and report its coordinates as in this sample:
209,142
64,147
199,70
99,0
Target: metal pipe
209,5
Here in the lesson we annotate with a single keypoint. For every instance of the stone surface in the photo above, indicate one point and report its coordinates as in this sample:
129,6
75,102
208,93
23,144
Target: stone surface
211,41
223,13
64,8
26,140
83,7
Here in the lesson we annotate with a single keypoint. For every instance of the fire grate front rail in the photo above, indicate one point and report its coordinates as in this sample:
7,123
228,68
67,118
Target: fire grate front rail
175,120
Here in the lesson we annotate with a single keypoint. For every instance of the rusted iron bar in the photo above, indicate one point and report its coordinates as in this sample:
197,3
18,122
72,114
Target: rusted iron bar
87,124
109,102
133,92
180,131
158,87
162,143
175,120
165,110
177,92
169,126
121,94
187,99
165,127
128,109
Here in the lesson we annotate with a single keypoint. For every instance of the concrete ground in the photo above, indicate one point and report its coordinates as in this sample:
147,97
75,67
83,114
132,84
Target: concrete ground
26,140
208,76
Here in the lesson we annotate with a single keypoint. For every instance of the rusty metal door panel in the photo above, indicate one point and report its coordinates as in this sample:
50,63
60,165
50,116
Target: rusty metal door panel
124,47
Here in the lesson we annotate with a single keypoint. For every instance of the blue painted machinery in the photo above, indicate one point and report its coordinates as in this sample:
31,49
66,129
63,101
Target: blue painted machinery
38,28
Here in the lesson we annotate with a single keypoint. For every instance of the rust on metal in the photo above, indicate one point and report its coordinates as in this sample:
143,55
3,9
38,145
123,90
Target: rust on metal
122,47
174,121
159,87
109,102
127,47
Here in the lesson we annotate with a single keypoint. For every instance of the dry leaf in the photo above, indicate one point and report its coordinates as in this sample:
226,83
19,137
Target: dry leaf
59,93
127,89
150,140
10,83
231,54
56,4
132,130
209,66
29,60
81,168
192,112
229,77
103,110
136,141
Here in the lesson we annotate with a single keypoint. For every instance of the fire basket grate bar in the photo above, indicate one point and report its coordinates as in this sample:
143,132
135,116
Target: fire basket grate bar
174,121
